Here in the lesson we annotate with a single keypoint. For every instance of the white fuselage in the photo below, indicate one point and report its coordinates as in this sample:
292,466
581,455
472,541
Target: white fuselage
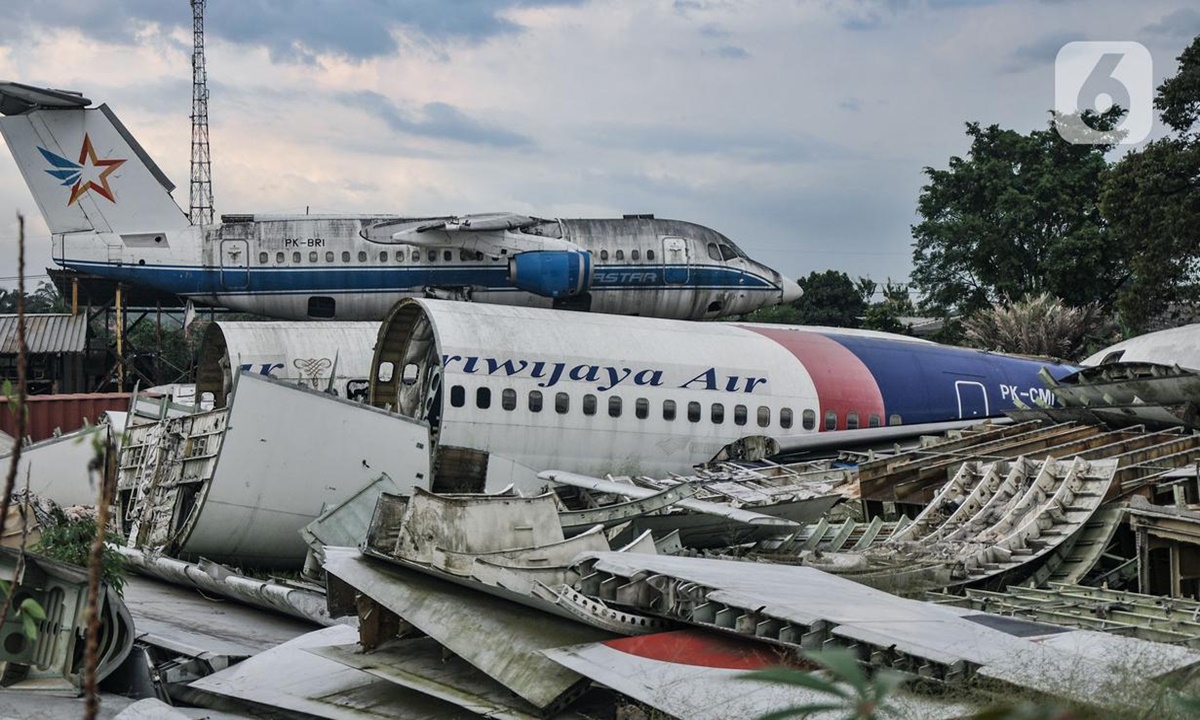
319,267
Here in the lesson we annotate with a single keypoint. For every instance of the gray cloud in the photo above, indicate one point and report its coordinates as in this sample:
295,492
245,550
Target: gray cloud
292,32
1183,23
435,120
730,52
1041,51
757,148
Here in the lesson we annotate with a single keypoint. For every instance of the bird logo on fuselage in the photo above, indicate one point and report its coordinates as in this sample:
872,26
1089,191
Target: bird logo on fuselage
90,173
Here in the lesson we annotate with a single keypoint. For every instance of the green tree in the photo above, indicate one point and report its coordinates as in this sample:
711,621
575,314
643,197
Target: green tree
1017,216
1040,325
45,299
1151,200
830,298
885,315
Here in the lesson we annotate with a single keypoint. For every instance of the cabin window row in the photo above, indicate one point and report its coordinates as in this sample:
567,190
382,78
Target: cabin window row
694,411
362,256
619,254
590,405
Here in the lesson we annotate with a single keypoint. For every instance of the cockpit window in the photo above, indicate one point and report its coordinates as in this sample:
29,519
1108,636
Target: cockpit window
713,252
727,252
729,246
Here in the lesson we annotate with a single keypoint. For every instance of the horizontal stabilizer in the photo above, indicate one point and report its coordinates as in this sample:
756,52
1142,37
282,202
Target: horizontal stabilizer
16,98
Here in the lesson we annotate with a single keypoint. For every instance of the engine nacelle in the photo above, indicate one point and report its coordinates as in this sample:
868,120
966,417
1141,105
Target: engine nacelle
551,273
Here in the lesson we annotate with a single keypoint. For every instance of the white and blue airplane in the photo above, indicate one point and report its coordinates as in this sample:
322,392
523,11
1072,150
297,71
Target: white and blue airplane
110,212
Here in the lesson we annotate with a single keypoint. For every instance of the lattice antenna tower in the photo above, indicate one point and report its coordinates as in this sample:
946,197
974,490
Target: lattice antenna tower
201,210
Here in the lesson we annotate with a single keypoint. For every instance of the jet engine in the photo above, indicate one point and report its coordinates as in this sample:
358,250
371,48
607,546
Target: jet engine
552,273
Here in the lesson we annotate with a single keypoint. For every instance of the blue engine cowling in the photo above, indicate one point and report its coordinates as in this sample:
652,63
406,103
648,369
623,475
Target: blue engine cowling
551,273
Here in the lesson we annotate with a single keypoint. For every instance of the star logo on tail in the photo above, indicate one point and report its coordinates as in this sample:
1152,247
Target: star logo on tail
90,173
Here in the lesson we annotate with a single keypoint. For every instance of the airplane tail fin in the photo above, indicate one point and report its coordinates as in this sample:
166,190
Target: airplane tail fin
86,172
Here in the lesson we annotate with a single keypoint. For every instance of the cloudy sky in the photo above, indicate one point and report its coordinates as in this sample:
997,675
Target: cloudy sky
797,127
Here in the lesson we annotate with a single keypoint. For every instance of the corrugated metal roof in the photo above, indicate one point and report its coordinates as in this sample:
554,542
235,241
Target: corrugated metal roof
58,333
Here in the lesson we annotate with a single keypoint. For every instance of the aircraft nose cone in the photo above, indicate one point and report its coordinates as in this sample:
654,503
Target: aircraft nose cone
790,291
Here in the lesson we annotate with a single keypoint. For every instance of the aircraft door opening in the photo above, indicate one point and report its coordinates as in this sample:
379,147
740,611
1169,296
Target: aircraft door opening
972,399
235,264
676,260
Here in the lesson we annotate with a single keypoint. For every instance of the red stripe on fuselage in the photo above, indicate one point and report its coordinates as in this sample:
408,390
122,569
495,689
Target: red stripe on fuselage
701,649
843,383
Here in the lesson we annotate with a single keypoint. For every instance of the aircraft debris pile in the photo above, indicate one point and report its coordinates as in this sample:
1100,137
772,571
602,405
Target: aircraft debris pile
727,503
911,478
1130,614
440,576
51,660
1124,394
237,483
993,522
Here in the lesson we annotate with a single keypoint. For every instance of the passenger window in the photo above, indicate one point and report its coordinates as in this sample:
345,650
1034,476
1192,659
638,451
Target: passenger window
416,256
508,399
894,419
312,256
831,420
634,254
589,404
384,374
296,258
693,411
604,254
262,258
483,398
649,254
785,418
808,420
562,403
641,408
328,256
713,252
464,255
851,420
399,256
458,396
620,254
739,414
874,420
535,401
432,255
345,256
383,256
447,255
614,406
668,409
764,416
718,413
410,373
279,257
362,255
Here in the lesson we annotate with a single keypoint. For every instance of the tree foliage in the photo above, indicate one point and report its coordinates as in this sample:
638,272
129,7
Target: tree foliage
830,298
886,314
1018,216
45,299
1151,199
1041,325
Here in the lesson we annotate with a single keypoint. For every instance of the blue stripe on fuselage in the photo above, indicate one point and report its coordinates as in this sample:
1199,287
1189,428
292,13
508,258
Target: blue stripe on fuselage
192,280
928,383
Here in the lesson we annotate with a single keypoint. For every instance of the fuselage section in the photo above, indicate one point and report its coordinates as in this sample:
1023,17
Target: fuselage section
322,267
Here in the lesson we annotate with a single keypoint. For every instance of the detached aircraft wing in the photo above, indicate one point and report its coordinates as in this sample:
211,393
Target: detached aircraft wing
493,234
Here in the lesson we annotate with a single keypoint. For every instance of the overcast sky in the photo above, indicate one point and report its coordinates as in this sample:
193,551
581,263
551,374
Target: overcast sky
797,128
